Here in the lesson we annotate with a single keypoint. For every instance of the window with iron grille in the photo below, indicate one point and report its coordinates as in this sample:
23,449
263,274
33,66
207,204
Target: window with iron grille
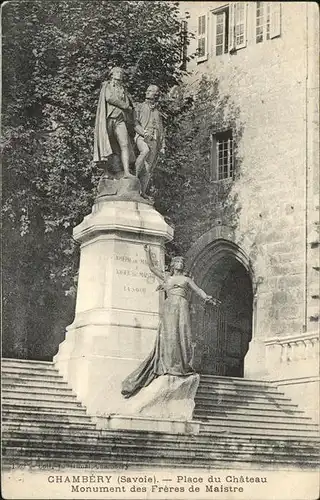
222,157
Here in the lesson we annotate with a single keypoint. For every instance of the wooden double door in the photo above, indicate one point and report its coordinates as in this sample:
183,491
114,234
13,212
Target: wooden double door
223,333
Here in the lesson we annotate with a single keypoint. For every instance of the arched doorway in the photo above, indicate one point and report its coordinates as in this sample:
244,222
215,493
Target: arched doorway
222,334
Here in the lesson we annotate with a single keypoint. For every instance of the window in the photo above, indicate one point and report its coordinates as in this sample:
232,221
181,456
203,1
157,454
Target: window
221,32
202,52
263,21
222,160
268,20
238,26
230,28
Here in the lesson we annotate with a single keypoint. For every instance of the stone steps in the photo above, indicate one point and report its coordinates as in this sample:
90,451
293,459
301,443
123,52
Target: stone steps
141,465
31,427
216,386
250,426
26,407
214,395
251,416
52,394
213,379
230,391
246,409
48,374
212,408
15,380
46,401
249,412
132,439
227,402
242,422
151,453
49,419
23,365
9,411
9,389
80,449
29,363
275,435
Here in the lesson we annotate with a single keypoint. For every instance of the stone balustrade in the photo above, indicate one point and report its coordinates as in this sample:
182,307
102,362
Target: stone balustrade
297,354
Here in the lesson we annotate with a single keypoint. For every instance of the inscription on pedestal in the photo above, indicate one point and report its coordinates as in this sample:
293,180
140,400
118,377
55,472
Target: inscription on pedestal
135,283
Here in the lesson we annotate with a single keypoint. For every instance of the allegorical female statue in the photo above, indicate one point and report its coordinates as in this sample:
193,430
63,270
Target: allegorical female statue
172,352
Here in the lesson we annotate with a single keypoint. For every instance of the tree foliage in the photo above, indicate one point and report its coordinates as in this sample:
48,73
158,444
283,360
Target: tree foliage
55,56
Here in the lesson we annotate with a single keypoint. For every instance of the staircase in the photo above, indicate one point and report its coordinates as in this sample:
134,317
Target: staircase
243,424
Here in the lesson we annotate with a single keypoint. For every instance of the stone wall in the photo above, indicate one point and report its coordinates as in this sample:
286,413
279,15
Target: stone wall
274,84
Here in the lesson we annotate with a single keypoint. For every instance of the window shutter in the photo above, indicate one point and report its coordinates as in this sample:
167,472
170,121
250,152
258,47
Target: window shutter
232,7
202,38
275,19
240,25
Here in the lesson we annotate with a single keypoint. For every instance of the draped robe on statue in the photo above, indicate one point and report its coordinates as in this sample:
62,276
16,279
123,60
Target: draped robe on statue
172,352
112,105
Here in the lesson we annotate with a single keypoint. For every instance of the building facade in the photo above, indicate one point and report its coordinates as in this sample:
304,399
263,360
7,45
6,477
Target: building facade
265,267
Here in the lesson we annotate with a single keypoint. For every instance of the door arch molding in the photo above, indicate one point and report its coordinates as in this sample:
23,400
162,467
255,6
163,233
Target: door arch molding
218,241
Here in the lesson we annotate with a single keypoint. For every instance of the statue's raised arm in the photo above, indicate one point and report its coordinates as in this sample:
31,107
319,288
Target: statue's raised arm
151,265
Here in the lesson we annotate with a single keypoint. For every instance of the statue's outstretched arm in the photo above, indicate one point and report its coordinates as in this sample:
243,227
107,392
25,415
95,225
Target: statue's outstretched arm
151,265
201,293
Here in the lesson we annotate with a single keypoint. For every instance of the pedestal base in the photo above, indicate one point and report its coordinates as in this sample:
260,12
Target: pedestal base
125,422
95,359
117,307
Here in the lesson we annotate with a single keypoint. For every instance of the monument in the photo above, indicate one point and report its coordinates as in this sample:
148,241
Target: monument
105,355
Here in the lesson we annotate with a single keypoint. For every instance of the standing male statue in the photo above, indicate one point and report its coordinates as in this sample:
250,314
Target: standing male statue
115,119
151,142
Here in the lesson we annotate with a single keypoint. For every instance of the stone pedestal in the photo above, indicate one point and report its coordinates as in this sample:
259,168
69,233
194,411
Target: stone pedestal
255,360
117,306
134,423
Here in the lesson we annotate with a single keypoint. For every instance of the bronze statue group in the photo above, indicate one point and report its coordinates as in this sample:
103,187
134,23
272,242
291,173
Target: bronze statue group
135,135
132,132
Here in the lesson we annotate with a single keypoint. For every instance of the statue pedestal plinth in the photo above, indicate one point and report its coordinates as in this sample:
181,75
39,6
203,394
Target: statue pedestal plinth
117,306
126,422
